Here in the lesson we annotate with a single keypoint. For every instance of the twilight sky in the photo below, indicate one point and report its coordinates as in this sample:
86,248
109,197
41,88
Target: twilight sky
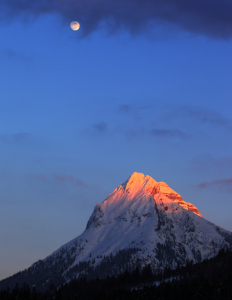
144,85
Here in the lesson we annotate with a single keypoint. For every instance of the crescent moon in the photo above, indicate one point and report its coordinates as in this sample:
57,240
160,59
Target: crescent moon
75,25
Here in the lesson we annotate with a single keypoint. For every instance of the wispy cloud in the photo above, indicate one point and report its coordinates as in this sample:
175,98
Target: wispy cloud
13,55
40,177
207,17
16,139
207,116
139,112
97,129
125,109
220,184
61,179
146,125
207,161
168,133
200,115
135,125
68,178
100,127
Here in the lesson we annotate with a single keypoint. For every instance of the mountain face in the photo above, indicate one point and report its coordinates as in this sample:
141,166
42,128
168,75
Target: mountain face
142,222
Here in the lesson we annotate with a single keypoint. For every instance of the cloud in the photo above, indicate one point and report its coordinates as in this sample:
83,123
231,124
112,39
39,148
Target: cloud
157,133
204,116
207,17
58,179
139,127
136,112
69,178
207,161
136,133
16,139
220,184
125,109
13,55
145,115
40,177
97,129
100,127
207,116
168,133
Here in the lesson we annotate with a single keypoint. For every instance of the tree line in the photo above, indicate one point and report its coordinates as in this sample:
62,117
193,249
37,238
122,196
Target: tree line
210,279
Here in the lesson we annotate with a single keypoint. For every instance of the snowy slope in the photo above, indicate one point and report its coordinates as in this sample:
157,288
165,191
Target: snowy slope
135,215
142,222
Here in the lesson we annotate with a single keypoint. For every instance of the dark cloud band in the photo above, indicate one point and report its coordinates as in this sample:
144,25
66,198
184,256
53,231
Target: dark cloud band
207,17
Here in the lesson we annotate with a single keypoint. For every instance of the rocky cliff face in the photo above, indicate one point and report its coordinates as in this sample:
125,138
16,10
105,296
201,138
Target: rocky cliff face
142,222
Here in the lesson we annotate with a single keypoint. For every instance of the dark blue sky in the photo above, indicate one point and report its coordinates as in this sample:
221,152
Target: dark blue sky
142,86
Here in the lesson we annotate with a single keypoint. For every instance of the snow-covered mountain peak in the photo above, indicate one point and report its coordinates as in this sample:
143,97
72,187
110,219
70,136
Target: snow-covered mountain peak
141,222
151,220
137,181
138,185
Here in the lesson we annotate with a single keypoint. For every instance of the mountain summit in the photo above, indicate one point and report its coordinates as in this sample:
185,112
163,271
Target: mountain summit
141,222
138,181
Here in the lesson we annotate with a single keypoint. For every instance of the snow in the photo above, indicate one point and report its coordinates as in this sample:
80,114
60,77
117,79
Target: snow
148,215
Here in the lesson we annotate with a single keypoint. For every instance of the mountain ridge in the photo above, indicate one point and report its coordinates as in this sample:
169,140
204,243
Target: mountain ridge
142,222
155,187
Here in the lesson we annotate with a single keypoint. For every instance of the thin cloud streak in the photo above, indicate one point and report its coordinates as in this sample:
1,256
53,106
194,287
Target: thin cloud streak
203,116
17,138
125,109
209,17
207,162
68,178
220,184
100,127
13,55
168,133
210,117
40,177
63,178
97,129
138,113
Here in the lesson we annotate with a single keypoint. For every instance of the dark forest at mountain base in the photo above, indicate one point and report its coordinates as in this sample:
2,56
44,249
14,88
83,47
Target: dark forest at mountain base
211,279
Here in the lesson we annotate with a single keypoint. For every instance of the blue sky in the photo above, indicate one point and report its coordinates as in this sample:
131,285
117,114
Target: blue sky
81,111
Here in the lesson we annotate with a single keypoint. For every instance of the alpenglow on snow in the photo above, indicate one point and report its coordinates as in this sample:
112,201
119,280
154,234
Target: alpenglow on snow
142,222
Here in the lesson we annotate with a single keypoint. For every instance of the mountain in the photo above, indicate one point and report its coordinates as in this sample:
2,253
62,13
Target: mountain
142,222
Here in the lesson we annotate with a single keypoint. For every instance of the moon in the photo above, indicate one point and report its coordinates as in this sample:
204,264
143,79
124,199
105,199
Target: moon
74,25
